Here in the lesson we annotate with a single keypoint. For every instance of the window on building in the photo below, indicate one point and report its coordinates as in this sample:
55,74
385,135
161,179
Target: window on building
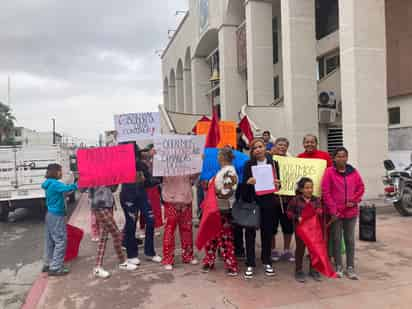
276,87
327,17
394,115
332,63
17,132
321,68
275,40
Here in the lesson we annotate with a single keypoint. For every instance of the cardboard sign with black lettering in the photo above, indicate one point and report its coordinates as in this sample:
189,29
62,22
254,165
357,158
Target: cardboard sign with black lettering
178,155
137,126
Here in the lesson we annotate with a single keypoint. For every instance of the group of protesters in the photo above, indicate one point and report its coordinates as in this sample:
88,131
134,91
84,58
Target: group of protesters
342,191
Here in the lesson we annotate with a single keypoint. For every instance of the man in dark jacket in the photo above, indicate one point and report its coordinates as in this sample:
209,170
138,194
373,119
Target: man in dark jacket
134,199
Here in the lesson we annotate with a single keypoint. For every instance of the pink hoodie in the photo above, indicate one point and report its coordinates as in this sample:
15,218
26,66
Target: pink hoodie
340,189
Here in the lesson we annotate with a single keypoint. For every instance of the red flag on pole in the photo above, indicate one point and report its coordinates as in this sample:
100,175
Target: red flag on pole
211,222
244,125
213,136
310,231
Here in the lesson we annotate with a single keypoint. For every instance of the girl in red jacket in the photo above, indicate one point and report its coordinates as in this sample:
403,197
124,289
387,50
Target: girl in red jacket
304,198
342,191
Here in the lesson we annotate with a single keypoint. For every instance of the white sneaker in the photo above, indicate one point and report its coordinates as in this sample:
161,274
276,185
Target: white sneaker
134,261
168,267
194,261
128,266
155,259
101,273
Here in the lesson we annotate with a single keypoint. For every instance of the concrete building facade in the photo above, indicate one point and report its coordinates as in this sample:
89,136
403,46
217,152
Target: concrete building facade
336,68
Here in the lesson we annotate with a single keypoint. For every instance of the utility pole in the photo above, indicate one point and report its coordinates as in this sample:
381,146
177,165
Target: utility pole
54,131
8,91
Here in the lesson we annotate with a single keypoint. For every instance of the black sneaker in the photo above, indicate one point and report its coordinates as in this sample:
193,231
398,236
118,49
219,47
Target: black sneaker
58,273
315,275
232,273
249,272
206,268
140,242
269,270
300,276
45,269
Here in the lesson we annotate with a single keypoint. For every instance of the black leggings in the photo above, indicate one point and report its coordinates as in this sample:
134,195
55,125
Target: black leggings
267,222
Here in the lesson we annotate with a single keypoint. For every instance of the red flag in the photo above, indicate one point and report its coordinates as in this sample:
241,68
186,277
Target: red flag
244,125
204,118
213,136
310,231
211,222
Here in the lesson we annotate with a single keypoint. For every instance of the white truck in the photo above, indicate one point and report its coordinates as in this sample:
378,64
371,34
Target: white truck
23,170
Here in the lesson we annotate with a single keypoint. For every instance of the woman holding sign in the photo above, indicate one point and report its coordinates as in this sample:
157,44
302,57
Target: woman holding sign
260,187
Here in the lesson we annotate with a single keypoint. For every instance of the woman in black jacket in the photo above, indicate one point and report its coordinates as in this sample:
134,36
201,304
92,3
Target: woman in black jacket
267,210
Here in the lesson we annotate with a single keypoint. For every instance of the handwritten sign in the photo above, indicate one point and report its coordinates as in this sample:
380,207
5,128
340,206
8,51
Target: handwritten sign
178,155
137,126
292,169
227,132
106,166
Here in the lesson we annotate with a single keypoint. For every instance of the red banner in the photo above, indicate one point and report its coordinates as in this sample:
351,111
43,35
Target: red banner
106,166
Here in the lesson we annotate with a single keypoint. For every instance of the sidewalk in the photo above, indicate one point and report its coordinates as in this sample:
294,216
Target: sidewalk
384,267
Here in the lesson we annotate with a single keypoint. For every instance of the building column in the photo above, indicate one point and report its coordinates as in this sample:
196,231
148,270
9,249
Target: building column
166,98
187,81
364,92
201,85
299,70
259,52
232,85
179,94
172,98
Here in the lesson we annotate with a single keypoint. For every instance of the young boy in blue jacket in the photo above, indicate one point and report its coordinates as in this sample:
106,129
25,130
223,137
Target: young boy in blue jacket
55,229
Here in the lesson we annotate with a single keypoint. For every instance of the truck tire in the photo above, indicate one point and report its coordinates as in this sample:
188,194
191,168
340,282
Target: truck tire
404,206
4,212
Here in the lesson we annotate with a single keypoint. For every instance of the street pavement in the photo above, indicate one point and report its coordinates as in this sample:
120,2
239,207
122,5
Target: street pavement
384,268
21,250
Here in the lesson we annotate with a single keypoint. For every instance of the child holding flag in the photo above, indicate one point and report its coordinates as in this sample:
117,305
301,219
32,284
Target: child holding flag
225,184
304,199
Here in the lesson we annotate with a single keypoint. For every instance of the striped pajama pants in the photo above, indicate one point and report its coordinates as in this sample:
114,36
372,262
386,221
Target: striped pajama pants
105,219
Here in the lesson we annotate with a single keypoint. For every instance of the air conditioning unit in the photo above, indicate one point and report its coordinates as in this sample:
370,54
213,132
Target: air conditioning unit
327,107
327,115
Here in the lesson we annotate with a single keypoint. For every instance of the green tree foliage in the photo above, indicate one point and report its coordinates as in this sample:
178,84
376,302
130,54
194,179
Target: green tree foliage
6,125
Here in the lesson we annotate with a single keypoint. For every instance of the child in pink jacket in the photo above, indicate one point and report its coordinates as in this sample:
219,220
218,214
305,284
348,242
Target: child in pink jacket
342,191
177,197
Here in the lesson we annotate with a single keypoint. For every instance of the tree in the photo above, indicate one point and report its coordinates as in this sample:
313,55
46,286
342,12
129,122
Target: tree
6,125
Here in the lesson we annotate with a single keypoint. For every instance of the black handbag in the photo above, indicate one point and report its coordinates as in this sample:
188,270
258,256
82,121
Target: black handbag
246,214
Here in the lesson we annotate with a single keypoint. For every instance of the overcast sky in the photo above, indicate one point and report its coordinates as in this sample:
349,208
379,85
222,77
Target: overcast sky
82,61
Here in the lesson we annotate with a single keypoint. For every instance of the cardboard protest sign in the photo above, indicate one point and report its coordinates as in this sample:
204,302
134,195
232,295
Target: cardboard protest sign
227,132
178,155
137,126
292,169
106,166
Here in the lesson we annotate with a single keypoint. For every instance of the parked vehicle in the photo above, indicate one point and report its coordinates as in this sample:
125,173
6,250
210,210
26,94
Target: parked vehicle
398,187
22,171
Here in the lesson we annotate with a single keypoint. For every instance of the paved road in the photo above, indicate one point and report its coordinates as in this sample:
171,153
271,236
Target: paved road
21,250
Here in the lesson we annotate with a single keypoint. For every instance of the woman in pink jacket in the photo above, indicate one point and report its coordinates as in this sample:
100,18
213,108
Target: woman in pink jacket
177,197
342,191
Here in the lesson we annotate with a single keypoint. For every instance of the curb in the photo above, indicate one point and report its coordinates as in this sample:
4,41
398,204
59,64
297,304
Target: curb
39,286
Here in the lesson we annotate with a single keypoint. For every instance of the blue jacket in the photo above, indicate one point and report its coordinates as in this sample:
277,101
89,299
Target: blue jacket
55,190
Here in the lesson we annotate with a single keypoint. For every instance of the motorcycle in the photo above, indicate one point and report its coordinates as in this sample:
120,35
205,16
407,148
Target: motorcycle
398,187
